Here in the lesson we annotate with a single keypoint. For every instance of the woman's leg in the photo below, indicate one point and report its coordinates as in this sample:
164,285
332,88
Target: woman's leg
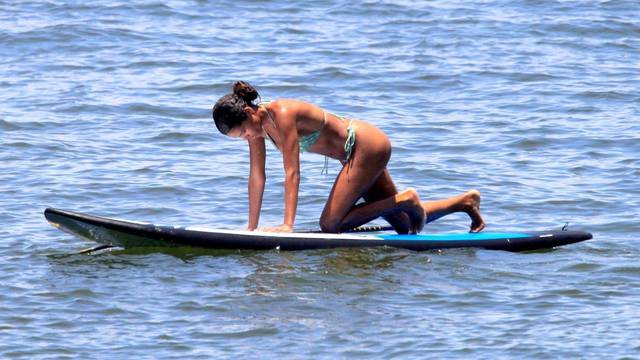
468,202
366,176
406,202
383,188
382,199
368,162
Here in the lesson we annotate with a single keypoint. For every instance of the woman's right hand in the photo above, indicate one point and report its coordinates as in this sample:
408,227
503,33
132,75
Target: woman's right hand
282,228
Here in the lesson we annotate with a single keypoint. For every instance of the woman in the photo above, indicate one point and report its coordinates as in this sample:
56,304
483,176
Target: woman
363,150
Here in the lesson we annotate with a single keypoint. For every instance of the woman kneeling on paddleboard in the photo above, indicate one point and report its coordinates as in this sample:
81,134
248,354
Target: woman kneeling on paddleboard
363,149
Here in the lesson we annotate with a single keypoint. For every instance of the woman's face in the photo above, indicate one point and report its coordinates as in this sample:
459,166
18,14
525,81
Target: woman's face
248,129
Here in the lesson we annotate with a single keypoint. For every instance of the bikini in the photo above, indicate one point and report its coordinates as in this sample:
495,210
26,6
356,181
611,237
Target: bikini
305,142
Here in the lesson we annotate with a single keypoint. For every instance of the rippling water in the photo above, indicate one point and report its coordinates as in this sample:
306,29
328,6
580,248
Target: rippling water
106,109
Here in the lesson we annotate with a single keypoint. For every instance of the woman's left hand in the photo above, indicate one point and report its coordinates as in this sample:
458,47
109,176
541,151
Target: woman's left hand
282,228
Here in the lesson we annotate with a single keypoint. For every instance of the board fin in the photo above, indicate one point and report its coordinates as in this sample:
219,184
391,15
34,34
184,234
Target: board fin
93,249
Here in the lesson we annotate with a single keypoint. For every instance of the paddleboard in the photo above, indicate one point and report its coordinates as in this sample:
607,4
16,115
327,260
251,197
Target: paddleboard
129,234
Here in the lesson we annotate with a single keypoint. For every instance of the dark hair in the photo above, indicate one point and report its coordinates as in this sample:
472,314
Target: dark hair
228,112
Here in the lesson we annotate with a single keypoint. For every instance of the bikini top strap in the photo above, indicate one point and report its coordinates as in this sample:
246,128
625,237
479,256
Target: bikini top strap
264,105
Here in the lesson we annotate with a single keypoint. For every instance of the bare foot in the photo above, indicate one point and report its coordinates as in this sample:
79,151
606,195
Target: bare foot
411,205
471,205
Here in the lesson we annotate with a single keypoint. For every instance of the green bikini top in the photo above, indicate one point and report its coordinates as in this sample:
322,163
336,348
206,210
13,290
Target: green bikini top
306,141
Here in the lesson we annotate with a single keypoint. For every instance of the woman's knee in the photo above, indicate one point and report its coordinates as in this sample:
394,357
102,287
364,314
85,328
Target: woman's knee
329,225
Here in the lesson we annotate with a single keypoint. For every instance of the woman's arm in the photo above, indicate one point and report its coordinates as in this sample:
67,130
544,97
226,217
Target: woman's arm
291,160
256,180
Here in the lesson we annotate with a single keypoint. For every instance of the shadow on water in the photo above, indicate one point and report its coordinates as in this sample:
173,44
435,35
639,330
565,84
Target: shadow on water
270,265
360,258
345,260
185,253
336,260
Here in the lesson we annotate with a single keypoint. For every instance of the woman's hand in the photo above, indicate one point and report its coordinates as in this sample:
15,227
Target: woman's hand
282,228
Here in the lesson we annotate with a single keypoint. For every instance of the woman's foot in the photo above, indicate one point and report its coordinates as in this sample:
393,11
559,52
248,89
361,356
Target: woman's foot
410,202
471,206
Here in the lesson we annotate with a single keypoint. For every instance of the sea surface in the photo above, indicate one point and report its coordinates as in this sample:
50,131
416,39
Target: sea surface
105,108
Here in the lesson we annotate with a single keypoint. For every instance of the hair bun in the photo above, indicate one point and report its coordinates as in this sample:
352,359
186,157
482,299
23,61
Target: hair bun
245,91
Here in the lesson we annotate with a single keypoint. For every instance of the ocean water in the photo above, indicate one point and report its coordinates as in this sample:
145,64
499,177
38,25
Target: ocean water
106,109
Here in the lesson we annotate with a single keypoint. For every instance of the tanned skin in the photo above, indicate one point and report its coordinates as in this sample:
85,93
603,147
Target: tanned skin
365,175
